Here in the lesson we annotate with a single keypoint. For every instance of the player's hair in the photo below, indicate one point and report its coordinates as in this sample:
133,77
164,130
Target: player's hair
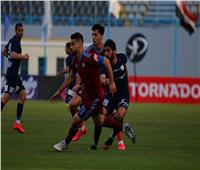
77,36
98,27
110,43
68,44
18,25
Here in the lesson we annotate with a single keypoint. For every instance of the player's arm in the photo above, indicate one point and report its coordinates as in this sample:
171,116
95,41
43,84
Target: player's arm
65,83
103,79
5,52
66,70
18,56
108,68
78,82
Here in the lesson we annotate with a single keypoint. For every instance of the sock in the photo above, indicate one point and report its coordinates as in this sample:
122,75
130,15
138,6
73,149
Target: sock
81,126
120,142
18,121
97,132
2,105
112,123
120,134
72,132
19,111
119,137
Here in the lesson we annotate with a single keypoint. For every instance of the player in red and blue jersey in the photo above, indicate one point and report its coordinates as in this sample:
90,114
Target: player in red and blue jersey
87,65
98,48
72,99
14,84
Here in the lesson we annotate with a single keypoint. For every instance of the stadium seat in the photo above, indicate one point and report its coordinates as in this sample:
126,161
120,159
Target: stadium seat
87,12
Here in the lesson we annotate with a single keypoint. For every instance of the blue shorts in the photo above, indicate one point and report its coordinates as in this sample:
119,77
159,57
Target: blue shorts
114,102
91,110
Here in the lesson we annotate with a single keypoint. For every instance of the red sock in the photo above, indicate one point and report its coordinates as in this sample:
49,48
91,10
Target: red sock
119,136
71,134
112,123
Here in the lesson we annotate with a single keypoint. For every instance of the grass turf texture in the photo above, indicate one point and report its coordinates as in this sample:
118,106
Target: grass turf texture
167,138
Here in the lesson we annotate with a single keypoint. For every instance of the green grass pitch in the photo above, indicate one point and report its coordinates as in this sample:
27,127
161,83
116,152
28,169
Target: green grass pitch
168,138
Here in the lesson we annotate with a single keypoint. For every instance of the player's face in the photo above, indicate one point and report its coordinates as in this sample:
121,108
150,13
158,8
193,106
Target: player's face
108,52
67,50
19,32
75,46
96,37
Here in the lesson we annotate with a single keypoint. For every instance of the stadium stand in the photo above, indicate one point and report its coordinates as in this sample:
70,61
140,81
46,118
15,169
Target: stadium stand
86,13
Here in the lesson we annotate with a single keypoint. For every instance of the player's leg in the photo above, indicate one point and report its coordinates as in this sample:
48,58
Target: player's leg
9,89
82,115
127,128
20,106
108,107
20,90
76,120
5,98
122,106
108,110
121,145
67,100
98,123
121,112
75,102
69,96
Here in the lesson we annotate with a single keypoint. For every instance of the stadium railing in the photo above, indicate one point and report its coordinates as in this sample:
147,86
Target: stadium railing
84,13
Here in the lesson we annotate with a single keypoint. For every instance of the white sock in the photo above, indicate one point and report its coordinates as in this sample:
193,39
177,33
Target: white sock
18,121
120,142
82,128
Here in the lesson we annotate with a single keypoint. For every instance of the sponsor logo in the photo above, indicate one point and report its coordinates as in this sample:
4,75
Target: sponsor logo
136,47
164,90
171,90
31,85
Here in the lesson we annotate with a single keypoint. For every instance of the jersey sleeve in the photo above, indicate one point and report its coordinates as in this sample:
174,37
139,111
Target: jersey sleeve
13,47
100,60
94,58
67,62
102,70
73,68
7,45
124,58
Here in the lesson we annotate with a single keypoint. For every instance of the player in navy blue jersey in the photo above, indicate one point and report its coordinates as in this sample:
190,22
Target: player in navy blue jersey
14,84
120,100
98,47
68,64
